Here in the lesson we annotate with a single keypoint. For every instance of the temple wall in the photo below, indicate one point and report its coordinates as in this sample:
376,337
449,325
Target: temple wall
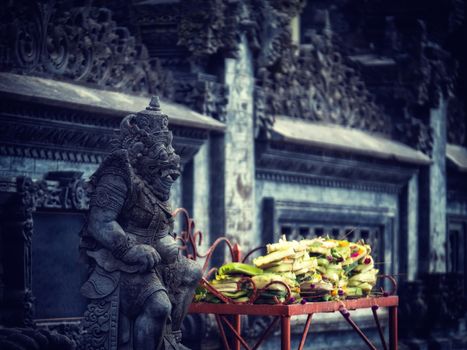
37,168
201,193
438,190
240,206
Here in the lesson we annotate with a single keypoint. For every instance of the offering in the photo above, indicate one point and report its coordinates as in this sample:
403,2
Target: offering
272,288
230,282
318,269
340,265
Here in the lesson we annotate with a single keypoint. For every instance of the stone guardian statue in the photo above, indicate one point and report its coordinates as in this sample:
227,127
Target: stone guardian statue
140,286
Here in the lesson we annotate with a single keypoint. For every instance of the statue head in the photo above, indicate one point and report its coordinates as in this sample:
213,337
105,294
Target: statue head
147,139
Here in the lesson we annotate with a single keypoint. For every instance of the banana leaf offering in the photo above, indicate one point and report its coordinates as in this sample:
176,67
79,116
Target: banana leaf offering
273,288
346,268
318,269
286,257
229,281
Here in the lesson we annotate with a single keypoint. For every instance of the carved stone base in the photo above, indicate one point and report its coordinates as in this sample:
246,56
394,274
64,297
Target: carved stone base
101,323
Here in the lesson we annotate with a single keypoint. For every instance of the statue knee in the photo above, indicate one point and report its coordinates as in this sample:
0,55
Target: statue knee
197,273
189,272
158,305
193,276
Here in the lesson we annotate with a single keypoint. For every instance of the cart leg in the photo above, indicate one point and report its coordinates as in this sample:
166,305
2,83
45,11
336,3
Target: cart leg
221,331
305,332
238,327
374,309
285,332
393,333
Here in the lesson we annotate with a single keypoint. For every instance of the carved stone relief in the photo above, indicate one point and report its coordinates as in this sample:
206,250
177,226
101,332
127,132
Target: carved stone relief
203,94
314,83
60,134
81,44
317,81
311,82
457,122
201,28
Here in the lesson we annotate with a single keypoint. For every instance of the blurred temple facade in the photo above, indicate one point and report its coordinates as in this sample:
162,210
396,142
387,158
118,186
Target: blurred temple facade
291,117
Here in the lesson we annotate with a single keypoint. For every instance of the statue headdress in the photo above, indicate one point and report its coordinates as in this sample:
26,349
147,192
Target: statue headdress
139,133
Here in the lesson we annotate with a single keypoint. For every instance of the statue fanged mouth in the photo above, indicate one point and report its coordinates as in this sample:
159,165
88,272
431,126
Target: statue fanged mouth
169,176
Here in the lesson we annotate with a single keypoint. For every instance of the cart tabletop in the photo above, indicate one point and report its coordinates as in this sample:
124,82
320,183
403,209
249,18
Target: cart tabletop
293,309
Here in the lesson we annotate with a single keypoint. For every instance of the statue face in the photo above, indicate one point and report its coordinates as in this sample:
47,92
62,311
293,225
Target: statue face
160,166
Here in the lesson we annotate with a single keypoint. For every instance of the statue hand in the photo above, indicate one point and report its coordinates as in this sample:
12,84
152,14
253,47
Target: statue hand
143,255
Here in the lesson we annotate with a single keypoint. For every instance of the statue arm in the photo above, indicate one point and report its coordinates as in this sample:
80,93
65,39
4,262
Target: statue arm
106,204
107,201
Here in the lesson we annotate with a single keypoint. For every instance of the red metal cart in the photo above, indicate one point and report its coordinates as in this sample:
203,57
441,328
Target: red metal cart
285,312
192,240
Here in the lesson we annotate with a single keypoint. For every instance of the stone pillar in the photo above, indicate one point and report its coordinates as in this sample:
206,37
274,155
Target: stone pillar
432,205
408,244
239,172
202,194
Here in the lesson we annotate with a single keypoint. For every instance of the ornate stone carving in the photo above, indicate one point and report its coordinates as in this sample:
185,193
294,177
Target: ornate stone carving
62,190
204,95
82,44
263,120
214,26
100,323
425,74
26,191
58,190
201,28
414,132
273,37
456,122
418,70
193,31
315,83
62,135
28,307
426,71
17,307
138,280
